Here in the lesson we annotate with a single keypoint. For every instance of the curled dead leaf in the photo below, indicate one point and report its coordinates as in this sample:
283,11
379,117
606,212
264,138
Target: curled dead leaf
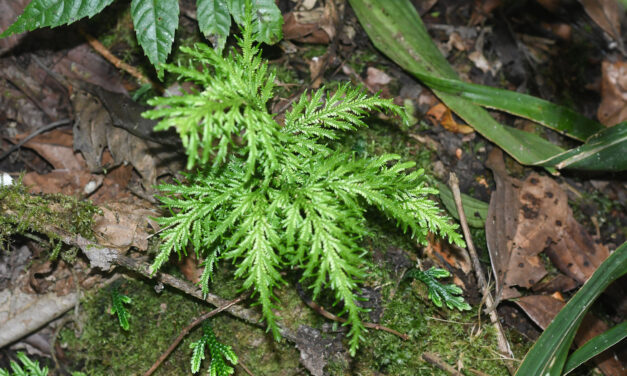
443,115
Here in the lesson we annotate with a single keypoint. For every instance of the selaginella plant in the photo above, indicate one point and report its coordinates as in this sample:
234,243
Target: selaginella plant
270,196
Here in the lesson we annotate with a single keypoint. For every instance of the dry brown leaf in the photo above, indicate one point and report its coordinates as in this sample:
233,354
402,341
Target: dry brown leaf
482,10
316,26
376,79
93,131
83,64
443,115
56,148
527,218
316,65
456,41
67,182
70,175
304,27
613,107
123,225
606,14
447,255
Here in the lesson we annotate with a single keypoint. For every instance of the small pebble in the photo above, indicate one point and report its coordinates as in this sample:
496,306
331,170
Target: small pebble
6,179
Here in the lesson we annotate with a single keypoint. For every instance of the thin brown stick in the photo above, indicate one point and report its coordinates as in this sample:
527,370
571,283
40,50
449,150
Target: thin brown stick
102,50
503,344
105,258
318,308
188,328
436,361
239,363
34,134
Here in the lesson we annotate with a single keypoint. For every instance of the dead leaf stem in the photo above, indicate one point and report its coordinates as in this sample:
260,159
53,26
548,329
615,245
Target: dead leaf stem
503,344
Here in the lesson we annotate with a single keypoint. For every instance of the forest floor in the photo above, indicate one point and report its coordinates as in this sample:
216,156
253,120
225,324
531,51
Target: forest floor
56,77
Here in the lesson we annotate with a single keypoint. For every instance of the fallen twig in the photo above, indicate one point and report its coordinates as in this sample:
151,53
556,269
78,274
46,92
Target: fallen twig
104,258
316,307
37,132
102,50
189,327
436,361
503,344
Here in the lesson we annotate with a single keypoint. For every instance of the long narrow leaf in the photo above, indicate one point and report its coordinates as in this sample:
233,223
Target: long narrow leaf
595,346
548,354
605,151
558,118
396,29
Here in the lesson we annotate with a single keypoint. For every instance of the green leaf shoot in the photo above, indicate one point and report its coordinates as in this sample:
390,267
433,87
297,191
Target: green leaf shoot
439,293
117,307
220,353
268,197
28,368
155,21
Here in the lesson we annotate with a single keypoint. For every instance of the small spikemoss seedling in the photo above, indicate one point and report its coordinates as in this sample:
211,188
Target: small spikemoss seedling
218,351
270,196
117,307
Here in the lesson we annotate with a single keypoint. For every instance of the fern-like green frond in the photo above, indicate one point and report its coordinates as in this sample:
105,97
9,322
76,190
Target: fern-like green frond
31,368
438,292
117,307
220,353
256,242
268,197
341,110
232,104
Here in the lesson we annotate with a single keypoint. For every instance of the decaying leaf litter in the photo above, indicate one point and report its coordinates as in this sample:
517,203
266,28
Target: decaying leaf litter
550,224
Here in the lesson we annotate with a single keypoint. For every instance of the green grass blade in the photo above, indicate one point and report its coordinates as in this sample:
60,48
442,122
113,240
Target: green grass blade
548,354
476,210
558,118
396,29
595,346
605,151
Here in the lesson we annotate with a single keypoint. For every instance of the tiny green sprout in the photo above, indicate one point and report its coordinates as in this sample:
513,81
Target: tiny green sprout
30,367
117,306
439,293
217,350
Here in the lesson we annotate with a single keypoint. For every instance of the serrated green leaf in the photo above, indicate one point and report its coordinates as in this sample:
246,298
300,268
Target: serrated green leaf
267,19
198,353
32,367
52,13
214,20
155,22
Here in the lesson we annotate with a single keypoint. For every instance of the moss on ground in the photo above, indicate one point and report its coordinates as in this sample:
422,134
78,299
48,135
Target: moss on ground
22,212
104,348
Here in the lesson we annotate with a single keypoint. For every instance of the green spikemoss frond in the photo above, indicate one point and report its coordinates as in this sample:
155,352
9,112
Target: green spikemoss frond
281,197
